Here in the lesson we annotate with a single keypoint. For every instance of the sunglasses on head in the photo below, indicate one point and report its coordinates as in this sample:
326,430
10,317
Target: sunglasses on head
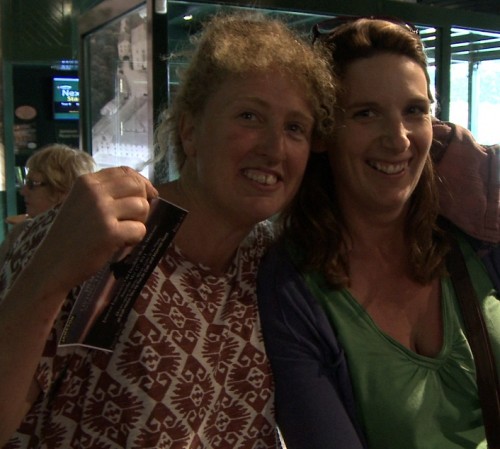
325,27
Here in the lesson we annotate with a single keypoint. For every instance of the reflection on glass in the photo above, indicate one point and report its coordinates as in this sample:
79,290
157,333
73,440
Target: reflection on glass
119,92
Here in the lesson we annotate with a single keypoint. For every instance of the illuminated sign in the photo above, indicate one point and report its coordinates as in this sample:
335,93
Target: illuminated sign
66,98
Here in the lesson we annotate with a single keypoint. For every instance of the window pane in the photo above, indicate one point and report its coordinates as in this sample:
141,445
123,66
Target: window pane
485,123
475,83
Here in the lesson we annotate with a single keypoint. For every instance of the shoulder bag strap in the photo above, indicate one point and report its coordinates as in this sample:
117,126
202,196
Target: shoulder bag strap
478,338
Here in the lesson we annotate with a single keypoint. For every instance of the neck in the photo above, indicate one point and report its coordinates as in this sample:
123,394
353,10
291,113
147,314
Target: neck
367,232
204,237
378,250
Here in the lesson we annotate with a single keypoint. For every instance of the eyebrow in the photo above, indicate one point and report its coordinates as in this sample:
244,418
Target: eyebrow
371,103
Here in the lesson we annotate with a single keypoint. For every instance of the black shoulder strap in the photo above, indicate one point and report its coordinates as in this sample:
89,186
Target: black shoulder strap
478,338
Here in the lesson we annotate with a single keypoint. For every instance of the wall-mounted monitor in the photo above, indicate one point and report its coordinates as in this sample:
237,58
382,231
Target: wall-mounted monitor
66,98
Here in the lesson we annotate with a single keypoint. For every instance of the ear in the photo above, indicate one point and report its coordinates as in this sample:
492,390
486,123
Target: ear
187,134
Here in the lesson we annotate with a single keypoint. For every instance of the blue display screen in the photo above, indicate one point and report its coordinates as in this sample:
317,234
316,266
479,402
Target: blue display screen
66,95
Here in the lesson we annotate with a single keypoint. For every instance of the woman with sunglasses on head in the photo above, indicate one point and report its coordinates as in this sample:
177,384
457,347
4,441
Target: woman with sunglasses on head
189,368
361,321
52,171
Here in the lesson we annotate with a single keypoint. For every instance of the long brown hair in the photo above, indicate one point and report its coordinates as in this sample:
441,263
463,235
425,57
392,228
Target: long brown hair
314,220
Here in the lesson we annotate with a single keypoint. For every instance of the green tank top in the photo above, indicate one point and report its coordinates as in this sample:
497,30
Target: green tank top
405,400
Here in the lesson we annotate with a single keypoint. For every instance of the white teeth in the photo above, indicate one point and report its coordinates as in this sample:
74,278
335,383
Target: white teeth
261,178
389,169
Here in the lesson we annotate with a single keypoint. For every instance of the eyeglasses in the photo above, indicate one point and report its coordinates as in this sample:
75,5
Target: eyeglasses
325,27
33,184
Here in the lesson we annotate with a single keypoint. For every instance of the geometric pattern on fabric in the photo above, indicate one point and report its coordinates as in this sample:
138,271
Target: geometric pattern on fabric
189,370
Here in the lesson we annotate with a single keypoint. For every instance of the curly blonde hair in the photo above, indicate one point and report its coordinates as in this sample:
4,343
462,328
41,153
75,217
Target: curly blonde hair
238,44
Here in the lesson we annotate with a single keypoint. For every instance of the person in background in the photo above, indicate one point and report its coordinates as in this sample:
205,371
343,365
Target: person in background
189,368
52,171
360,319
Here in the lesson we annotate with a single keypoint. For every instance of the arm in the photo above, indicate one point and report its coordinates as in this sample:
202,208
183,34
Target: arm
469,180
104,212
314,404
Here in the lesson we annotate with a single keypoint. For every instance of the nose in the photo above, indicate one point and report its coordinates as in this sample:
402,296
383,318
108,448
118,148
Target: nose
274,143
396,135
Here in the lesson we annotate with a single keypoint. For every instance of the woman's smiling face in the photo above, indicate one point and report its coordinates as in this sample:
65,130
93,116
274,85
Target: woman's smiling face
248,149
384,134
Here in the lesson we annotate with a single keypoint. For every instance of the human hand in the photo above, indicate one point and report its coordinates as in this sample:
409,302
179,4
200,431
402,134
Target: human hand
104,212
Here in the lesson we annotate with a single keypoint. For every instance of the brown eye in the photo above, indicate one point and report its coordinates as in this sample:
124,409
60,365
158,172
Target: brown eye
364,113
418,110
248,115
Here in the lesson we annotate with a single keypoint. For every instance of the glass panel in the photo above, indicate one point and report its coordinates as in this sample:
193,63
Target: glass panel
117,61
485,119
428,36
475,83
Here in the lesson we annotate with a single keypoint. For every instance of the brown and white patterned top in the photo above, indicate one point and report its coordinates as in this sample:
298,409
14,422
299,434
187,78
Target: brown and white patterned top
189,370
